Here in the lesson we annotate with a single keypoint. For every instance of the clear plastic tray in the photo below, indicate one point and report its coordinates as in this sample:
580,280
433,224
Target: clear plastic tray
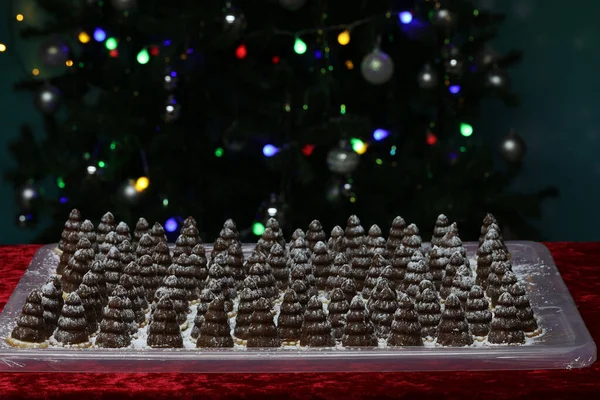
565,343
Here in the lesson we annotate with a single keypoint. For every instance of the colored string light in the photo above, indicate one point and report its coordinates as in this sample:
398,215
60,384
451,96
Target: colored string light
111,43
299,46
344,38
241,52
219,152
84,37
431,139
99,35
2,47
454,89
466,130
380,134
142,184
358,146
308,149
406,17
269,150
171,224
258,229
143,57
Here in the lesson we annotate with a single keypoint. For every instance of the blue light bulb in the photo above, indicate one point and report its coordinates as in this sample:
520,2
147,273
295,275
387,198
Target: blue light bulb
99,35
269,150
380,134
454,89
406,17
171,225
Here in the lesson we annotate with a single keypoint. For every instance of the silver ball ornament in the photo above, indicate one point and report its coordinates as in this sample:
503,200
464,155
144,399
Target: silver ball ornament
428,77
123,5
47,99
54,53
513,147
292,5
342,160
377,67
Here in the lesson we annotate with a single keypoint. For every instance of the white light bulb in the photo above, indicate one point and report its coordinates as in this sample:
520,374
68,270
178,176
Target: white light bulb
130,191
426,76
28,193
495,80
510,144
230,19
168,78
453,62
47,96
91,169
272,211
170,108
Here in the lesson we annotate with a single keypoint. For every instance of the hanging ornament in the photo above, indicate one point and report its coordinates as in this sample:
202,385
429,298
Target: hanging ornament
497,78
377,67
170,79
453,60
54,53
47,99
342,159
292,5
123,5
443,18
427,78
513,147
234,21
172,109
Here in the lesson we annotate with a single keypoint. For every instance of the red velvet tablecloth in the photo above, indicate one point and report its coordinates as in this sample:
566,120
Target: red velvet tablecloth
579,264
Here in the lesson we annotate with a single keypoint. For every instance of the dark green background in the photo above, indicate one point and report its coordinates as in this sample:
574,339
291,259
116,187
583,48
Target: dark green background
558,81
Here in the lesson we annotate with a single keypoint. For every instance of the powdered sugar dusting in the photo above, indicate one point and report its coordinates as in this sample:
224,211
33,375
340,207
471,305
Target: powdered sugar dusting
539,279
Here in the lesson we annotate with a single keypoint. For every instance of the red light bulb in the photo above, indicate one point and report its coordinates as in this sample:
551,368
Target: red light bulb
241,52
431,139
308,149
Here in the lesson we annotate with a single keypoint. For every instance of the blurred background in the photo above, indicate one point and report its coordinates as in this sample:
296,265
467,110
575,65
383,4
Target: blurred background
300,109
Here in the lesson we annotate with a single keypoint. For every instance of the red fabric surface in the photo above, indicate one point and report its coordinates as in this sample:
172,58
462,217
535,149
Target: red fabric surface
579,264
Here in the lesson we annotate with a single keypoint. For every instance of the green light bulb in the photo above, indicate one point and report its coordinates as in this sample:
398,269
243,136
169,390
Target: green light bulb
111,43
258,228
219,152
357,144
143,57
60,182
299,46
466,130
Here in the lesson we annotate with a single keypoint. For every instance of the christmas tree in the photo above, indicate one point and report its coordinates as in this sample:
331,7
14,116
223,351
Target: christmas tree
222,109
